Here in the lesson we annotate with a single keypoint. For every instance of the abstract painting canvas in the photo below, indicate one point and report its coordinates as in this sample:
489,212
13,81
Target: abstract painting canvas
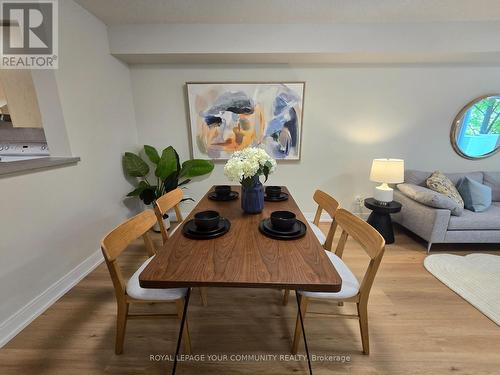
227,117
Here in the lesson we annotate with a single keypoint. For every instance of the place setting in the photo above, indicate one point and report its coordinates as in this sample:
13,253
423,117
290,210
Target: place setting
223,193
206,225
283,225
274,194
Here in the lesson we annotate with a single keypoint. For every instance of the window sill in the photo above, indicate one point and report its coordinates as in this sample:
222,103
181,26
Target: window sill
25,166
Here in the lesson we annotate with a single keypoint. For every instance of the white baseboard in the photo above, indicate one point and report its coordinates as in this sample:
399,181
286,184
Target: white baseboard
17,322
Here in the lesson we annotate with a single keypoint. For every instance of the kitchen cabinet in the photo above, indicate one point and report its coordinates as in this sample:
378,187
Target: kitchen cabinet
21,97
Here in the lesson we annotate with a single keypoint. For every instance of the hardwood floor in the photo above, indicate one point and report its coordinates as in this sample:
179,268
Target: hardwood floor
417,326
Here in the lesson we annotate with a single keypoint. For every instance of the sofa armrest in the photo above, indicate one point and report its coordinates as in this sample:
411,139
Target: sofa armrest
427,222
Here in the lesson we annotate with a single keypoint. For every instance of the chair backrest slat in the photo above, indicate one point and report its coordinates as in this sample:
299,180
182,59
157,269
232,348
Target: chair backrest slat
369,239
330,205
362,232
165,203
341,245
119,239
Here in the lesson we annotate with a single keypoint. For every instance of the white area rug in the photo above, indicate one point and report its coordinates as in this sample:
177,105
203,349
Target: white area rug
475,277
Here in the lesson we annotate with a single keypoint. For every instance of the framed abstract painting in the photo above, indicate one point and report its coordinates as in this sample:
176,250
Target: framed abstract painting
230,116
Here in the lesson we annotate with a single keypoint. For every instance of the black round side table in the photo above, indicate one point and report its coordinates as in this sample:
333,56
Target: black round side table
380,218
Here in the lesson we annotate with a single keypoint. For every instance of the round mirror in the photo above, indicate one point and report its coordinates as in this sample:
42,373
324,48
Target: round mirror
475,133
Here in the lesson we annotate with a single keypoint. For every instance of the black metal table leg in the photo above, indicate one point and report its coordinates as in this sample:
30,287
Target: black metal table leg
304,334
181,330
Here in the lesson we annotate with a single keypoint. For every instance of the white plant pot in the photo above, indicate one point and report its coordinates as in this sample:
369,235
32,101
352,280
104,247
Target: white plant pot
166,223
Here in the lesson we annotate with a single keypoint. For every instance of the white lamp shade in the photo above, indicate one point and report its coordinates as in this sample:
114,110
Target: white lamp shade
390,171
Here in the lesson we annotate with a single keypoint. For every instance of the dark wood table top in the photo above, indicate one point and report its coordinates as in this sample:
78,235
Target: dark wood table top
243,257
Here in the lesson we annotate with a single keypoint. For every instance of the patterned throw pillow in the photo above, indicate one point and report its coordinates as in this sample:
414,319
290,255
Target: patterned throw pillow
442,184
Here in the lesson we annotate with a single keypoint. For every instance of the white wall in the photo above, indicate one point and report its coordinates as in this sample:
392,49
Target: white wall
54,219
302,43
352,114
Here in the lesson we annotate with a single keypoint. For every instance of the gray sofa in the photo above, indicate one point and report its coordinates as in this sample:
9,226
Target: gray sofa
437,225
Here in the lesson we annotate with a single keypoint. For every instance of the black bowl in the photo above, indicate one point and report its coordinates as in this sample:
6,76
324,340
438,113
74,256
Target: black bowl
206,220
273,191
222,190
283,220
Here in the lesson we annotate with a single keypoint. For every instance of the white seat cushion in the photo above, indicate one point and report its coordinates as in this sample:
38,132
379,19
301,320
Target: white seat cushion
350,285
317,232
134,290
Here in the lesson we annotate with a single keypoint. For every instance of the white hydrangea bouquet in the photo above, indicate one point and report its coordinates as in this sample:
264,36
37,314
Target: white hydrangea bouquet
246,166
250,163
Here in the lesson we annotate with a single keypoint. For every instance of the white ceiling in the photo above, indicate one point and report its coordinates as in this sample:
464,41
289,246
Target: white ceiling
120,12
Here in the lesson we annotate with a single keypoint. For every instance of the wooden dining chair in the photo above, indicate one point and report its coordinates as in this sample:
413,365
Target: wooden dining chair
325,203
161,206
352,291
127,293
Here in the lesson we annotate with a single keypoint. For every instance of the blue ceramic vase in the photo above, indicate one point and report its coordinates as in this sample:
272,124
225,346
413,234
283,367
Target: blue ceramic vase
252,197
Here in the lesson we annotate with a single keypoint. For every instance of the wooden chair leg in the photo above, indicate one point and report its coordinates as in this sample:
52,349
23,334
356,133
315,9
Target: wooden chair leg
298,326
185,333
363,327
285,297
204,297
121,325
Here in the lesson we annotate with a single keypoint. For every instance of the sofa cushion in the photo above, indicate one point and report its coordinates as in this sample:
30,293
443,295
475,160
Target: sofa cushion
430,198
486,220
492,179
442,184
415,177
476,196
457,177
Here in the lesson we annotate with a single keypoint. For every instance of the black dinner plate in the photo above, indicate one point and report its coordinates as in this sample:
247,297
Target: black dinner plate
283,236
282,197
231,196
269,228
189,230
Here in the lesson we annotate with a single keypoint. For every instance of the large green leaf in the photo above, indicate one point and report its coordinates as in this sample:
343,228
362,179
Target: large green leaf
152,154
171,182
134,165
167,164
140,188
177,161
196,167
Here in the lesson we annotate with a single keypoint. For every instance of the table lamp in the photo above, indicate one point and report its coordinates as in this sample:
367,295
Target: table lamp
386,171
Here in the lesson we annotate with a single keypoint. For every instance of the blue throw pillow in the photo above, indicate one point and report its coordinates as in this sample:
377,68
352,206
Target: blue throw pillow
476,196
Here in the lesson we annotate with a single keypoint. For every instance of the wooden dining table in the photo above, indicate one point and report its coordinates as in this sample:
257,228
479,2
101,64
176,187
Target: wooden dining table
243,257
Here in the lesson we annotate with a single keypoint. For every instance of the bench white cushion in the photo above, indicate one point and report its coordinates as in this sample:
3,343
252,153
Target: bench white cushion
317,232
134,290
350,284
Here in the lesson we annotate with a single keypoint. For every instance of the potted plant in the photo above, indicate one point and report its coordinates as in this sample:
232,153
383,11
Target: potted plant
169,173
246,166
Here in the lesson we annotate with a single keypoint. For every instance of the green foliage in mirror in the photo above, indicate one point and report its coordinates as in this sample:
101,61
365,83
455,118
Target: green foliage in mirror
475,133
